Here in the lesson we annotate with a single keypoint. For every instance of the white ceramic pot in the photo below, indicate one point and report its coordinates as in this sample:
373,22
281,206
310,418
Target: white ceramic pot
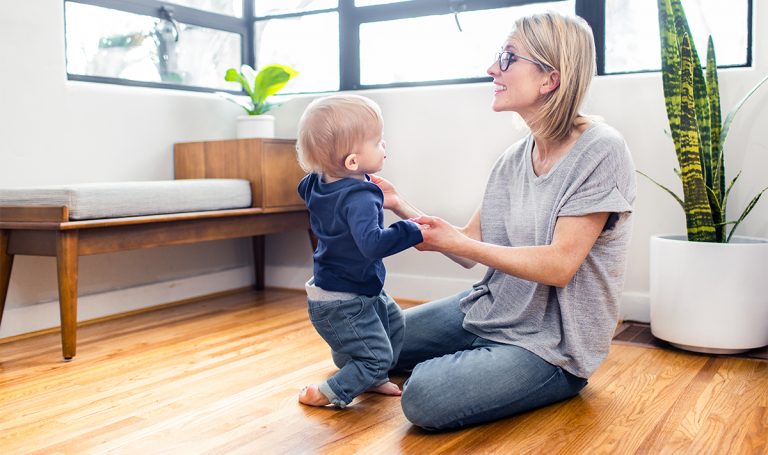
252,126
709,297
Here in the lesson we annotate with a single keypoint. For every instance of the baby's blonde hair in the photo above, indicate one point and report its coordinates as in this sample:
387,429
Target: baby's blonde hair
566,44
332,127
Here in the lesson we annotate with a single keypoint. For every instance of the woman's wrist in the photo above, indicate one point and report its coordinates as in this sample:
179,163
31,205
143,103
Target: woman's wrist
405,210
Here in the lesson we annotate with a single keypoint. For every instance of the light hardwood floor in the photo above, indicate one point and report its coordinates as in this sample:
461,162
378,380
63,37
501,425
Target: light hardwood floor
221,376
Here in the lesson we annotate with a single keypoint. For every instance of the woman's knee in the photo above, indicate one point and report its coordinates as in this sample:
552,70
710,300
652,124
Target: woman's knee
415,402
426,405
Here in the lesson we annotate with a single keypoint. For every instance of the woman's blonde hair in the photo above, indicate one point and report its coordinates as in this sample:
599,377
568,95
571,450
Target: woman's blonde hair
332,127
566,44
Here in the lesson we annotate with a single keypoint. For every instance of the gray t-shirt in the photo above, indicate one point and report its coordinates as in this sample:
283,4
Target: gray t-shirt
570,327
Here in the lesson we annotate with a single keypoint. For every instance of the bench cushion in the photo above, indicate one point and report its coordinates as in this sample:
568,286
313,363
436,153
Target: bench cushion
89,201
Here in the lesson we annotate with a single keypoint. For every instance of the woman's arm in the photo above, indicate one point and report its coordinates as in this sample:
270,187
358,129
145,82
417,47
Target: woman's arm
402,208
553,264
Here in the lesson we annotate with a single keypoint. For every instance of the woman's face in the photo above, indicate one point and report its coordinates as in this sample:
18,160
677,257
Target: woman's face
519,88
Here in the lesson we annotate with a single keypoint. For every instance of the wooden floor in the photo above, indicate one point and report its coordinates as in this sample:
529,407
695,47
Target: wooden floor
222,376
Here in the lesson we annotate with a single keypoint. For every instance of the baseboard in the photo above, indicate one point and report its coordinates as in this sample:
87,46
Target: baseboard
635,306
40,316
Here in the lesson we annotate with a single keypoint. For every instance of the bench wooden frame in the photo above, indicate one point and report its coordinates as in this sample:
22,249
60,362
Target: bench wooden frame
269,164
46,231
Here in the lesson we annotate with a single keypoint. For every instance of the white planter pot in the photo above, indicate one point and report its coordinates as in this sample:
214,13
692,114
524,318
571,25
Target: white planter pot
252,126
709,297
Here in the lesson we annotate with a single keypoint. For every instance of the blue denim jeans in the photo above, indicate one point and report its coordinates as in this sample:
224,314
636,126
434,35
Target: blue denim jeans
367,332
459,379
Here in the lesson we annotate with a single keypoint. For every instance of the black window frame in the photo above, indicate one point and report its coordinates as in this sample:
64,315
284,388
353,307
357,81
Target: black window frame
350,19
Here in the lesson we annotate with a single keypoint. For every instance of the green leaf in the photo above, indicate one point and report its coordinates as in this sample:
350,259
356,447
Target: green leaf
672,193
728,191
232,75
732,114
697,210
746,211
271,79
670,66
713,95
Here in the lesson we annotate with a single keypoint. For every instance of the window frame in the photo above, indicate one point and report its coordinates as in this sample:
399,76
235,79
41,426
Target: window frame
191,16
350,19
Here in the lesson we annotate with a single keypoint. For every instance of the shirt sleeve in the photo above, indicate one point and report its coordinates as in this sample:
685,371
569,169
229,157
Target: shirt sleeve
606,188
375,242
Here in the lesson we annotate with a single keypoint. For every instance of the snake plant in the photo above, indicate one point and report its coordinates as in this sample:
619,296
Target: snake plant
692,99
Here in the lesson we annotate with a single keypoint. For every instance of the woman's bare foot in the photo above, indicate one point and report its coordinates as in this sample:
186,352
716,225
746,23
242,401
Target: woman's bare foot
311,395
388,388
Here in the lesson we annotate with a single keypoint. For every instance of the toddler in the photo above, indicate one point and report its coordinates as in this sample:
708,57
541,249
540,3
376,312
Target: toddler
340,143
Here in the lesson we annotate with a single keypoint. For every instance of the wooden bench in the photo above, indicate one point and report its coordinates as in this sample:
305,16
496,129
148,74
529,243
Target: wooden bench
270,166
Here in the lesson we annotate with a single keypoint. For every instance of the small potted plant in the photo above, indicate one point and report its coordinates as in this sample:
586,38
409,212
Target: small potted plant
259,87
708,291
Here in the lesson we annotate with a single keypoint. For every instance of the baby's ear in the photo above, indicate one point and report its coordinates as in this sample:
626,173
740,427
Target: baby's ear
350,162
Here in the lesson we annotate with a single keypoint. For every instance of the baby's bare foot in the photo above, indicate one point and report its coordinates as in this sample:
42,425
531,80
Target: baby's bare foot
311,395
388,388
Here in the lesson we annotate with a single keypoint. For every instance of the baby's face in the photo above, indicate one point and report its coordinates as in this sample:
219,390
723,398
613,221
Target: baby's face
371,155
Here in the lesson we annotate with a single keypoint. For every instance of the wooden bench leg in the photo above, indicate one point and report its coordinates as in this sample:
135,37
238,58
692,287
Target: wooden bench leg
66,264
258,260
6,264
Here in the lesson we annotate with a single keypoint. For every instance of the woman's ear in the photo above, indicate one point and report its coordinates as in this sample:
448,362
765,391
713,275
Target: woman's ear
350,162
551,83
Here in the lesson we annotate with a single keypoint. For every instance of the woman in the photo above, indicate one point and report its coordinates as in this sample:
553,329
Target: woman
553,229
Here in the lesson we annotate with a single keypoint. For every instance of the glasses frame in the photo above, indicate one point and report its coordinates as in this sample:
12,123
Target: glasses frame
513,58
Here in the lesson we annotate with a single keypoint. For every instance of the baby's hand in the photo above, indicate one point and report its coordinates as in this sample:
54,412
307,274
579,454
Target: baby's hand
422,227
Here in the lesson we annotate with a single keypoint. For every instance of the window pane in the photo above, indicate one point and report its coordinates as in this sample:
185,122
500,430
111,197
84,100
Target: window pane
310,44
272,7
377,2
388,53
632,32
108,43
228,7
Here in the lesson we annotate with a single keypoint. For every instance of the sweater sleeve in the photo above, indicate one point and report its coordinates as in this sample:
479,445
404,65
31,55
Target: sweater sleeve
303,185
363,213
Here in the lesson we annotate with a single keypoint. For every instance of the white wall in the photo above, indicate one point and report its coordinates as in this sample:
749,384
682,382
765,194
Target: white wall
441,142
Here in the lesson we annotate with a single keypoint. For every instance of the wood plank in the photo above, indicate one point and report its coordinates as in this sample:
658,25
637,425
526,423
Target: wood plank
6,266
221,376
32,242
34,214
189,160
139,236
282,174
66,266
167,217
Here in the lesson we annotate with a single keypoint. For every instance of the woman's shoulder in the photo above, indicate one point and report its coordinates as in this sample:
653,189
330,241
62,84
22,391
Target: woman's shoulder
600,131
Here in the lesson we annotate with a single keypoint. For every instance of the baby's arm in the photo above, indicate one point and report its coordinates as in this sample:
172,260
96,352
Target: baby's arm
362,213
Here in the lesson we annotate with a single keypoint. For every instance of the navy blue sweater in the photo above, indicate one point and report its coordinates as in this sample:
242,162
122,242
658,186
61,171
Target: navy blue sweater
348,220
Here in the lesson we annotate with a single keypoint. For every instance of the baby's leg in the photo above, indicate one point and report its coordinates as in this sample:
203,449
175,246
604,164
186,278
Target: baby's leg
388,388
312,396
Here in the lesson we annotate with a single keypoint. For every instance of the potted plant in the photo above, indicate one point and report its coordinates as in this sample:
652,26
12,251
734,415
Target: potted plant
259,87
708,291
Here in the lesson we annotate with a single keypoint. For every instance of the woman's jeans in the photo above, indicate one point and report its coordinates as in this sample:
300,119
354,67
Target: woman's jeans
460,379
368,333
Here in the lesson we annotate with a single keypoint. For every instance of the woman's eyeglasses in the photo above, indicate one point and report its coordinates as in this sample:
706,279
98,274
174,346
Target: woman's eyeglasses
507,58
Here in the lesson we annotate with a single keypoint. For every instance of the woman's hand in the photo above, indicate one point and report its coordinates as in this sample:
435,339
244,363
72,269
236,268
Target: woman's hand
391,197
439,235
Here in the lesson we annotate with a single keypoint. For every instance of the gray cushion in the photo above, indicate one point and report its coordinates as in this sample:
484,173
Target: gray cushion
88,201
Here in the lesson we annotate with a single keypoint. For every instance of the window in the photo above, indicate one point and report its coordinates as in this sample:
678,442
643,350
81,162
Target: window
632,32
354,44
149,43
